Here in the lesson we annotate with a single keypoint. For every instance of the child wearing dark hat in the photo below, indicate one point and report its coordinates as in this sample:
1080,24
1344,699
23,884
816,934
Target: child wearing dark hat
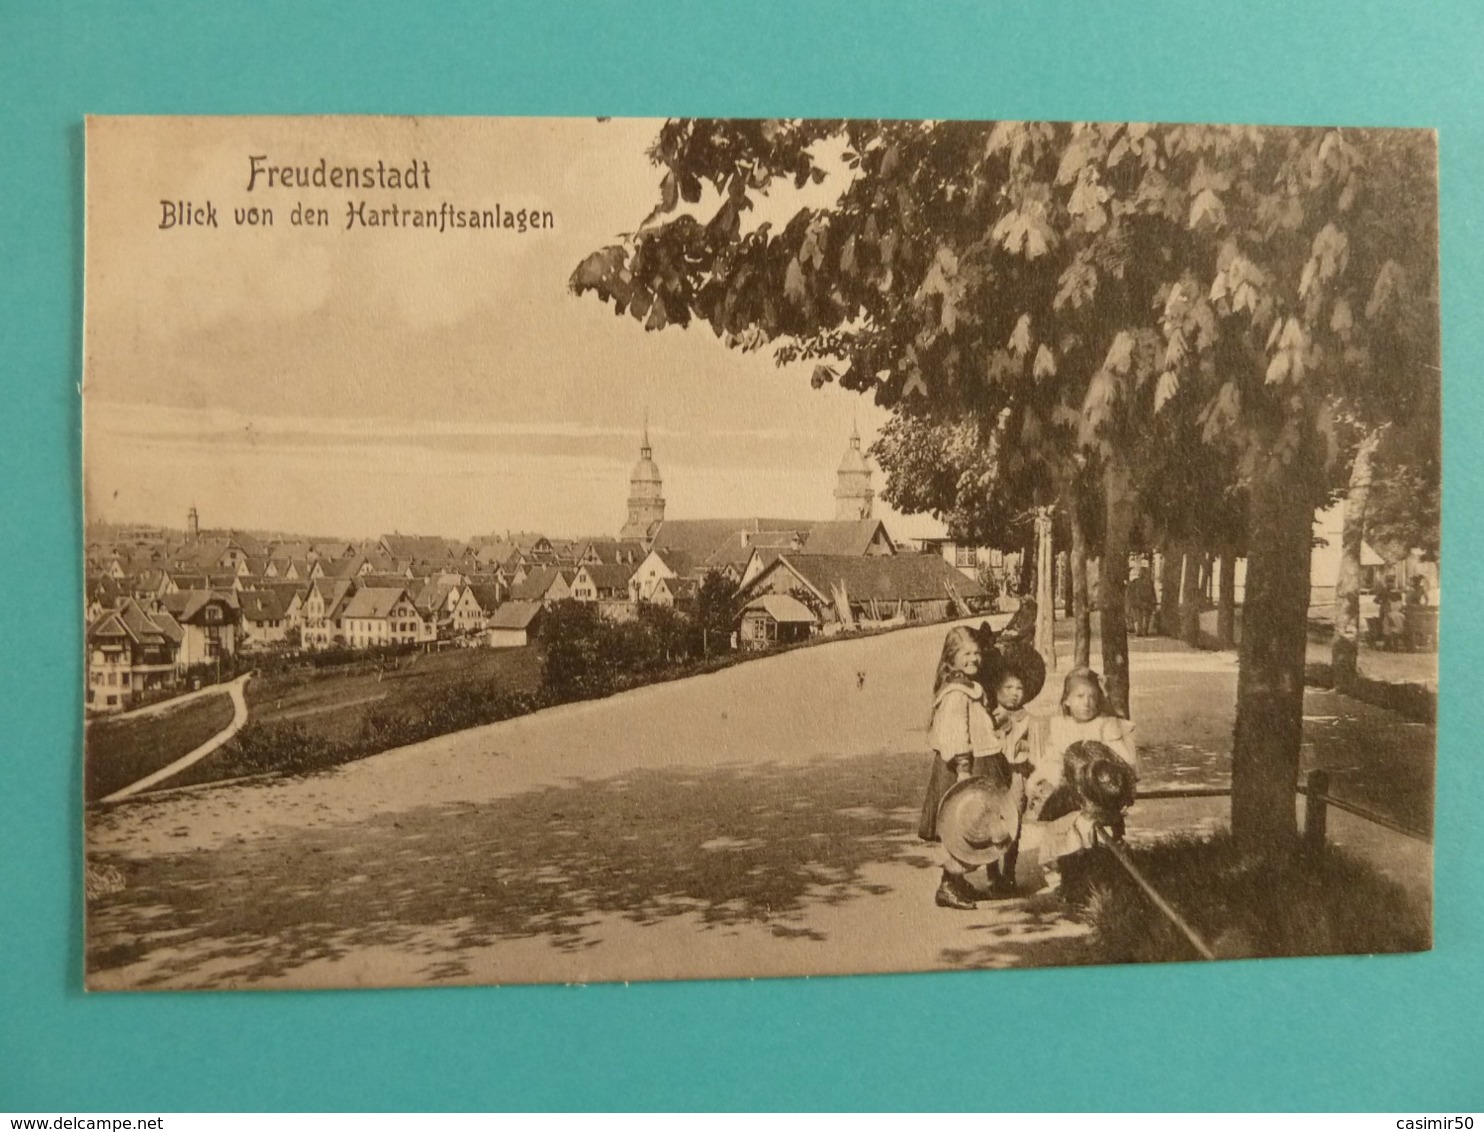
1012,725
1009,713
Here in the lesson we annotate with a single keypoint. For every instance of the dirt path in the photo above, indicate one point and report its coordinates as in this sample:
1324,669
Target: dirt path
167,705
239,718
754,821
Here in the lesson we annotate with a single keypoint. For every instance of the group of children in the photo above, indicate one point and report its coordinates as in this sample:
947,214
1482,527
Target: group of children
980,730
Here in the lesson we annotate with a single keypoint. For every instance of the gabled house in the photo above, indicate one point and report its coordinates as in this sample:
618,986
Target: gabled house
350,566
488,596
776,619
466,615
289,597
445,575
185,581
564,551
322,610
130,651
293,611
852,537
495,556
703,537
545,584
251,567
657,566
611,552
210,555
600,582
608,586
962,556
210,622
674,593
154,582
332,549
494,579
263,620
378,562
434,600
758,560
514,624
288,549
416,549
377,615
104,592
534,547
242,542
843,589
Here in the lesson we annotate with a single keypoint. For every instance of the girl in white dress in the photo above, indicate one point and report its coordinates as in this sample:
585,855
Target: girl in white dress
1085,715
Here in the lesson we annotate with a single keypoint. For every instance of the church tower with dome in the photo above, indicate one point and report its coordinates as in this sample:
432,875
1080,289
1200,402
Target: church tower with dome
646,494
853,491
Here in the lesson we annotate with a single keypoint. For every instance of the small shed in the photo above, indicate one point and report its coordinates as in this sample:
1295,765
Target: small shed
514,624
774,619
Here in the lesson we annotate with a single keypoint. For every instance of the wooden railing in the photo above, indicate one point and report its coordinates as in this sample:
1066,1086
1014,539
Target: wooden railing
1317,800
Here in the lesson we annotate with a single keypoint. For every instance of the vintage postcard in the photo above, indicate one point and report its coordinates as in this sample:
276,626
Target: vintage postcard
536,550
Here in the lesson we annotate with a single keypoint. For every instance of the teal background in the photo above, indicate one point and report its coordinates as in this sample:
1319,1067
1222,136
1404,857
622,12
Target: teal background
1358,1033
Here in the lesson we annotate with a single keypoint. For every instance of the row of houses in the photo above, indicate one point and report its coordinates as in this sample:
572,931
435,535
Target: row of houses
157,611
139,645
215,554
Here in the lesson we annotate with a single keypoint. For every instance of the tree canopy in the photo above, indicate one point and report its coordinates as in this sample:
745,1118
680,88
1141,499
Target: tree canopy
1044,276
1146,299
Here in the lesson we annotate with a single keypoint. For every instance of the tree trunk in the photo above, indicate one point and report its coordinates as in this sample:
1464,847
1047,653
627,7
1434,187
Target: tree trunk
1081,612
1118,504
1226,602
1168,622
1270,679
1063,583
1190,601
1345,650
1045,590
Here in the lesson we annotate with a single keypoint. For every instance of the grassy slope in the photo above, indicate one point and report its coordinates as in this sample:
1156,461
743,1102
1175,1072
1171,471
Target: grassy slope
121,751
332,703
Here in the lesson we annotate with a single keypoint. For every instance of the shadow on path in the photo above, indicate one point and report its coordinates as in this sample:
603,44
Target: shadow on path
735,845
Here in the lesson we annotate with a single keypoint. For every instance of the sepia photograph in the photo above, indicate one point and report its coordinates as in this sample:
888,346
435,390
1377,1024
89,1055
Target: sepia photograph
545,550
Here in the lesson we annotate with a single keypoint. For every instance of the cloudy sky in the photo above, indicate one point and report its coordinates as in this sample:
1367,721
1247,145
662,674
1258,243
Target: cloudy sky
362,381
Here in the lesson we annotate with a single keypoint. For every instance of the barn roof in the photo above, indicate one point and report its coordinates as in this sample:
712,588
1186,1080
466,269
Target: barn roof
486,596
783,608
515,615
894,577
260,605
374,602
536,583
703,537
843,536
610,577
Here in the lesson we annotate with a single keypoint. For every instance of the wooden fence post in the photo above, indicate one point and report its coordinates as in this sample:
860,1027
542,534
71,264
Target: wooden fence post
1315,810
